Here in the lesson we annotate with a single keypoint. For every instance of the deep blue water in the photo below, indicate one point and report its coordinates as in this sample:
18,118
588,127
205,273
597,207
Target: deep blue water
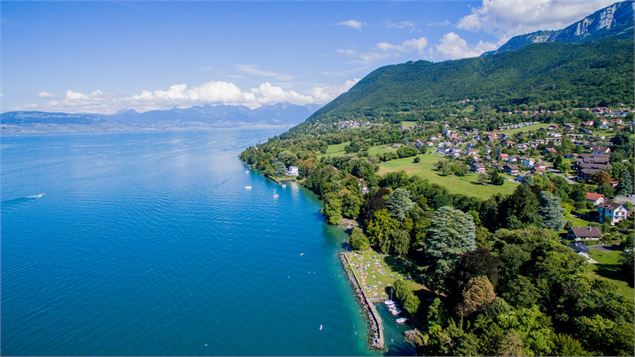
149,244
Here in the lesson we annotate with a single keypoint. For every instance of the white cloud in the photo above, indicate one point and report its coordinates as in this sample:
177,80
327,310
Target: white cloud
385,50
181,95
324,94
507,18
402,25
253,70
44,94
354,24
453,46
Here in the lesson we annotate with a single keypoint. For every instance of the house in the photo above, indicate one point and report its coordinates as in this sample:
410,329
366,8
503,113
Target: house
511,169
504,157
529,163
293,171
595,198
478,168
584,233
600,150
612,212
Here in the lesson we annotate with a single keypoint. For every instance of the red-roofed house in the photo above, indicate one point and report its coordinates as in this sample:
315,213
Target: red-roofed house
595,198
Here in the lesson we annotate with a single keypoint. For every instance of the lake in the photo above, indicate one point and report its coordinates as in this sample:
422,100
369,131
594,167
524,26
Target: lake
150,244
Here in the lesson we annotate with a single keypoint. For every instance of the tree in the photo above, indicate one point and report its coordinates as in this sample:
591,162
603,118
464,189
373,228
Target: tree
408,299
451,233
566,345
400,241
483,179
511,345
605,336
378,230
497,178
416,160
626,183
279,168
399,203
551,211
478,262
359,241
477,295
332,209
521,207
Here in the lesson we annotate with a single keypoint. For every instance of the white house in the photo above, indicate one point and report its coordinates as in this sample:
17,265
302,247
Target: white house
595,198
293,171
612,212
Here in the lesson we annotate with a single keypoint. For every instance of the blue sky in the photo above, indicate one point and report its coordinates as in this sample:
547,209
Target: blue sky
108,56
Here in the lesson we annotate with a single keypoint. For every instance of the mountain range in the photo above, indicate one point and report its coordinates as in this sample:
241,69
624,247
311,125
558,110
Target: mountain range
586,64
613,21
203,116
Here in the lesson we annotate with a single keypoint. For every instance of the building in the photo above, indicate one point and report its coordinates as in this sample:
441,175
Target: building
293,171
584,233
611,212
595,198
511,169
590,164
600,150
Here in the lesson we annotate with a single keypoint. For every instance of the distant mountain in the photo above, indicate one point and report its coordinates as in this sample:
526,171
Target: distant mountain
194,117
595,71
612,21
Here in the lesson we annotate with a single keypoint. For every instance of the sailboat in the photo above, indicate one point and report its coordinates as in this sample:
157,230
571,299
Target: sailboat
275,194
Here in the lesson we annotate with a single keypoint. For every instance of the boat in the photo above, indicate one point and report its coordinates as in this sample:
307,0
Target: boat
246,172
275,194
284,185
401,320
248,187
321,327
389,303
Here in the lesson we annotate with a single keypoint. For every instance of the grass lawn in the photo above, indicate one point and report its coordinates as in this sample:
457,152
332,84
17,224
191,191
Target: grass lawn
334,150
608,268
467,185
572,218
524,129
380,149
377,272
408,124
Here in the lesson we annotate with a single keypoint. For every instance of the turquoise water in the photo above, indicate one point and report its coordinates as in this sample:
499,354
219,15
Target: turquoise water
149,244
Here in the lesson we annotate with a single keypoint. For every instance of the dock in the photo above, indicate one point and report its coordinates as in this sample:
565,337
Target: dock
376,336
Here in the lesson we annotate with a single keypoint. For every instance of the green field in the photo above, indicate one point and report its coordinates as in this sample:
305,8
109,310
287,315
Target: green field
378,271
380,149
408,124
525,129
607,268
572,218
467,185
334,150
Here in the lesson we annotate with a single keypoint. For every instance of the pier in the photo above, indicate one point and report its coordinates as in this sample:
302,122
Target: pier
376,336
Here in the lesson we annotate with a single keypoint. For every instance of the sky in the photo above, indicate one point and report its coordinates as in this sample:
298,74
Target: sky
104,57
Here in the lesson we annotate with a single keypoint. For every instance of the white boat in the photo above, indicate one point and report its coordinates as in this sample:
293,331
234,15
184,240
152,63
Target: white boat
275,194
401,320
284,186
389,303
246,172
321,327
248,187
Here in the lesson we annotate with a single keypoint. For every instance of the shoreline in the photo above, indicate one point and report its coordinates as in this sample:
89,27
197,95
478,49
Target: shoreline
376,329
